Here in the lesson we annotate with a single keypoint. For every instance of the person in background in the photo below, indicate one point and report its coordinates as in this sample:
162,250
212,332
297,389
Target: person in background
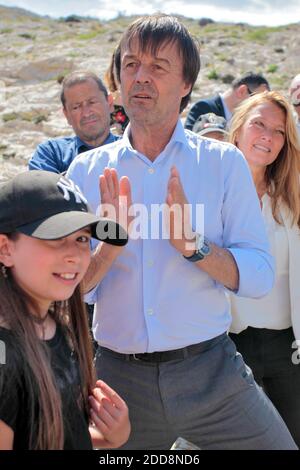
212,126
223,104
161,315
86,106
267,331
119,119
294,92
48,391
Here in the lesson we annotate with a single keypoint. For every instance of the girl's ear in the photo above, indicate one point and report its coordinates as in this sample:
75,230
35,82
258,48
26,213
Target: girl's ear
6,251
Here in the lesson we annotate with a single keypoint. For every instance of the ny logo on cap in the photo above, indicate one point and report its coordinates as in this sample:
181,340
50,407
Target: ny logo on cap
68,186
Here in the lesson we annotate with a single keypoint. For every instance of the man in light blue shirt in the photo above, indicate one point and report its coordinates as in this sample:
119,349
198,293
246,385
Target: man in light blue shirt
161,311
86,106
154,274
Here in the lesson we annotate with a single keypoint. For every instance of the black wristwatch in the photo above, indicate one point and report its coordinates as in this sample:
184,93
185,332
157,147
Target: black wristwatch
202,249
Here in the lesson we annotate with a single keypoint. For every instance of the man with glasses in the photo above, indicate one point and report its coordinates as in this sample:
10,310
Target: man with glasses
223,104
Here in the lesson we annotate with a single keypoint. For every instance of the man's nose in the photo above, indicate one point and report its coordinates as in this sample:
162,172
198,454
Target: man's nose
143,74
85,109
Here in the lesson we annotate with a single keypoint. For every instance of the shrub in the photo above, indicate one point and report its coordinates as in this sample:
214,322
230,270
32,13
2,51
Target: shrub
272,68
213,75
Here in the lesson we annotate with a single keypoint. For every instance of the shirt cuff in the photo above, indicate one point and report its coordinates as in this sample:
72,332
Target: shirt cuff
256,272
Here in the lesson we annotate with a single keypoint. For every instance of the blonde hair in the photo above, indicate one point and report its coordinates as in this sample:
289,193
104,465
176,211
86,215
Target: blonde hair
282,176
109,76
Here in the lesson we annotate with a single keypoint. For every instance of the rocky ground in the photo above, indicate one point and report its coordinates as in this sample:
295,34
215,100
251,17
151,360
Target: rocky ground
36,52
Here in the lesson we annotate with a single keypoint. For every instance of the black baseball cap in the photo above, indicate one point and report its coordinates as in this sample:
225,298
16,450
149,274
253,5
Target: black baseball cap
48,206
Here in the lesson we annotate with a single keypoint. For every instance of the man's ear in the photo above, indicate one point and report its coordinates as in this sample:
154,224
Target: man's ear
110,100
187,89
6,251
242,92
66,114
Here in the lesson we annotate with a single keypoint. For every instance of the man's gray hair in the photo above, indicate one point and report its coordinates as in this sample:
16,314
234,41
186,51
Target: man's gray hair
75,78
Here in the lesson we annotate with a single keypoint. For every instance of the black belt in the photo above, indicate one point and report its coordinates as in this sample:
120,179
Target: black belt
165,356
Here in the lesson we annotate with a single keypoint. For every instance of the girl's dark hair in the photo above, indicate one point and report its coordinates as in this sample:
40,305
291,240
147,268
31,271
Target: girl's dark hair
44,400
154,31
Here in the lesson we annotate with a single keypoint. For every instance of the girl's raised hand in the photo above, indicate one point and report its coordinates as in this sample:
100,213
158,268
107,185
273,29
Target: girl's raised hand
109,413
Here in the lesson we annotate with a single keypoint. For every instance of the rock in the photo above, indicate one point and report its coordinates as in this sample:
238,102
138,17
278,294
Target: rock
9,169
2,91
228,78
111,38
230,61
47,69
27,36
8,154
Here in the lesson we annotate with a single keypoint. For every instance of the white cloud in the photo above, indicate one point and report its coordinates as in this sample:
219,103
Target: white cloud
256,12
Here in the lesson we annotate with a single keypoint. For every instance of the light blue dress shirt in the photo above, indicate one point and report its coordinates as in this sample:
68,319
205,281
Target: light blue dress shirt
153,299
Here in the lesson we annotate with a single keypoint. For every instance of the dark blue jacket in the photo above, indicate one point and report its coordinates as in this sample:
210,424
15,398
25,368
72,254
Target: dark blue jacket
209,105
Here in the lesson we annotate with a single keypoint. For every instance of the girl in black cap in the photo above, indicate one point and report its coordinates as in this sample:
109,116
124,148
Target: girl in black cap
48,396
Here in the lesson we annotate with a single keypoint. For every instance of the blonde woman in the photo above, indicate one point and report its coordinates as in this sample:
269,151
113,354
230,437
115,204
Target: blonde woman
265,329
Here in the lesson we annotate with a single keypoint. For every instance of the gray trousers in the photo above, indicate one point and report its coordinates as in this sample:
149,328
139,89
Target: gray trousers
210,399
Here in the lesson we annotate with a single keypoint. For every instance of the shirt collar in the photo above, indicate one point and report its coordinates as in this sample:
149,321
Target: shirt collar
79,143
177,136
179,133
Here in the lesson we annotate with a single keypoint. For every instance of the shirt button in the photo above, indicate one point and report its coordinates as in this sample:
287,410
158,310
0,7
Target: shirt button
150,263
150,311
151,171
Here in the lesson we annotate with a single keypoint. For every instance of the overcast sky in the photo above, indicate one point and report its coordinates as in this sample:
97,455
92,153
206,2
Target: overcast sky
256,12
